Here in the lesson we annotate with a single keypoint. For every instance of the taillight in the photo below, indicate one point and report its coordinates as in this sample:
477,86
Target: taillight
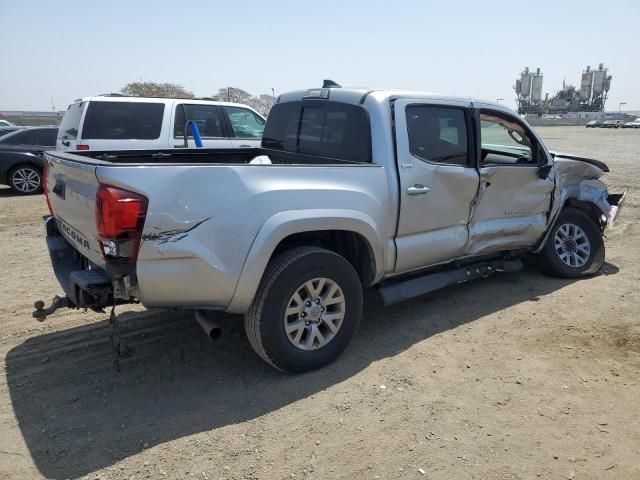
45,172
120,218
82,147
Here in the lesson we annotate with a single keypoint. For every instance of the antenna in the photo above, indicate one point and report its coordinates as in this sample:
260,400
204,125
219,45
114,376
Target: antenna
330,84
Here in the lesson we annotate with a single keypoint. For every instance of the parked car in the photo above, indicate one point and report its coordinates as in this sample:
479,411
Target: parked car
5,130
362,189
595,124
126,123
21,158
6,123
634,124
613,124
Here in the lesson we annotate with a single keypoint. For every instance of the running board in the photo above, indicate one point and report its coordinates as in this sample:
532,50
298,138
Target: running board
406,289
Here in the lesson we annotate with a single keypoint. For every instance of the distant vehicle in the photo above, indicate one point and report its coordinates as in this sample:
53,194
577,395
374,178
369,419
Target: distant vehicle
6,123
21,158
634,124
595,124
613,124
112,122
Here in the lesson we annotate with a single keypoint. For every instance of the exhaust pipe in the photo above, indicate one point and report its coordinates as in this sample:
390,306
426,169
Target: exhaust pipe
211,328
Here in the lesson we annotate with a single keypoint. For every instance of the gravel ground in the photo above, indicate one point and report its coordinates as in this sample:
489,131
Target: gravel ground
519,376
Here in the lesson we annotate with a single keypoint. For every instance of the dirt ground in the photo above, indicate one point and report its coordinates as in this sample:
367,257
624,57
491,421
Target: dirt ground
516,377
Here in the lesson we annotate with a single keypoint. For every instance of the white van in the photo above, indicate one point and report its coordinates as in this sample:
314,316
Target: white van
114,122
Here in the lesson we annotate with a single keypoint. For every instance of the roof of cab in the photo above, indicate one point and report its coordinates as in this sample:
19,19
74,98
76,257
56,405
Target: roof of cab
359,95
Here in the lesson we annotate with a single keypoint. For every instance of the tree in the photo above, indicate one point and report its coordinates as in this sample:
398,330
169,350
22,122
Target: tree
232,94
156,89
261,103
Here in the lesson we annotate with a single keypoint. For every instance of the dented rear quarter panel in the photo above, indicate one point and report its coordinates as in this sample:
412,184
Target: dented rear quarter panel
203,220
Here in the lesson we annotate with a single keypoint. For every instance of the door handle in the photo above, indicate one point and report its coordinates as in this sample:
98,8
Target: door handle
417,189
244,146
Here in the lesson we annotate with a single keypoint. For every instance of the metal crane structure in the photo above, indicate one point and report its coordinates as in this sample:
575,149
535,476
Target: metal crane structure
590,97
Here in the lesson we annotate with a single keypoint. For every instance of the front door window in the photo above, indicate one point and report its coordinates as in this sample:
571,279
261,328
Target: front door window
505,141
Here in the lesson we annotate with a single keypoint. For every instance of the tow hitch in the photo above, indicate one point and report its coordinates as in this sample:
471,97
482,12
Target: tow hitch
40,313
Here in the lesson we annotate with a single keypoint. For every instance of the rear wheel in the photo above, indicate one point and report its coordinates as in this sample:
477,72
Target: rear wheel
306,311
574,248
25,179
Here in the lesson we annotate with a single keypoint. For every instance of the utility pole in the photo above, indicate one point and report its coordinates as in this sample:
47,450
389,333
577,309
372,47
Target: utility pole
273,94
620,106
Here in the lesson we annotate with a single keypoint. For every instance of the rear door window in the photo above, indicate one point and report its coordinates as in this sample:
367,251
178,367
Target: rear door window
71,122
123,121
325,129
438,134
46,138
207,117
245,123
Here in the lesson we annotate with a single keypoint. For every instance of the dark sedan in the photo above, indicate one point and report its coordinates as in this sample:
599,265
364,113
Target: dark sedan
21,158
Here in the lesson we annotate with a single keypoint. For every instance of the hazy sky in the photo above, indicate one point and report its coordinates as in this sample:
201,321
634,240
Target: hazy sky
68,49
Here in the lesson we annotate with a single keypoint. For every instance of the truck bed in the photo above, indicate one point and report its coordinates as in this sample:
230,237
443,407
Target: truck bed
197,156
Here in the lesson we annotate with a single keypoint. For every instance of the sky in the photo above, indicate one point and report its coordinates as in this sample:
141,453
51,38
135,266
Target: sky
63,50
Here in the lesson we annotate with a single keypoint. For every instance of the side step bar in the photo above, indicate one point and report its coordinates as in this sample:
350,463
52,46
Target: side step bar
414,287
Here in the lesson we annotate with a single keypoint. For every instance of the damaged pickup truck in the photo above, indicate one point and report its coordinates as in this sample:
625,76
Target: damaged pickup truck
404,192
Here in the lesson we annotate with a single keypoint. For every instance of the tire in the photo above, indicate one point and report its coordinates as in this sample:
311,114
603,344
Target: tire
25,179
570,258
291,343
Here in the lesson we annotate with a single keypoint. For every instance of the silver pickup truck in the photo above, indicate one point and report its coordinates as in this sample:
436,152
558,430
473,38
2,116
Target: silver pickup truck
404,192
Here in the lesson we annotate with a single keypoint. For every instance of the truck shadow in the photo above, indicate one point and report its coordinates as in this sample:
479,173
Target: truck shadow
77,414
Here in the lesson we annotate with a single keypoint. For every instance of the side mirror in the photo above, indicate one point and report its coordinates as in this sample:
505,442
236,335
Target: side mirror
544,170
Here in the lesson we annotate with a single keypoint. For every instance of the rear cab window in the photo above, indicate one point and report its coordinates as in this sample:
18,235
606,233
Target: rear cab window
123,121
326,129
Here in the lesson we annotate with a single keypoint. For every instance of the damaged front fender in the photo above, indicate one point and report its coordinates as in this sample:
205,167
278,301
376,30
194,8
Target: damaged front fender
578,180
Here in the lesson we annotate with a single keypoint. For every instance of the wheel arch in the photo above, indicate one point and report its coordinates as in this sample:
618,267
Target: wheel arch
592,209
349,233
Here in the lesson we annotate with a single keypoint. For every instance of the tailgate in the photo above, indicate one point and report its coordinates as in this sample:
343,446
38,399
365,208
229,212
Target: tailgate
71,185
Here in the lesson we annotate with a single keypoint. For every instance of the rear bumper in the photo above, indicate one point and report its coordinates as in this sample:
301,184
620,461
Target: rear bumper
85,285
616,200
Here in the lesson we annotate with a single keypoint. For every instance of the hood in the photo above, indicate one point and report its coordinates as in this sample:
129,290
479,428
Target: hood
596,163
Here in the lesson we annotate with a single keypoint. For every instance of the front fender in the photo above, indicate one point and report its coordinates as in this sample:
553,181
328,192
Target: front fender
591,191
284,224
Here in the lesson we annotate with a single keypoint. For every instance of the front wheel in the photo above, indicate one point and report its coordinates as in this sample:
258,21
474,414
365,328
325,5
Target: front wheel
575,247
306,311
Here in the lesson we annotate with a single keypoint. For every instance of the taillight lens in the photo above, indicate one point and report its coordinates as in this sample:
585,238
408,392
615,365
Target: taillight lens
120,216
82,147
45,173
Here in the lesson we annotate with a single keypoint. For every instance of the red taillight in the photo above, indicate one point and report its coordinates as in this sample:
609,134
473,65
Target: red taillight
120,218
82,147
45,172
